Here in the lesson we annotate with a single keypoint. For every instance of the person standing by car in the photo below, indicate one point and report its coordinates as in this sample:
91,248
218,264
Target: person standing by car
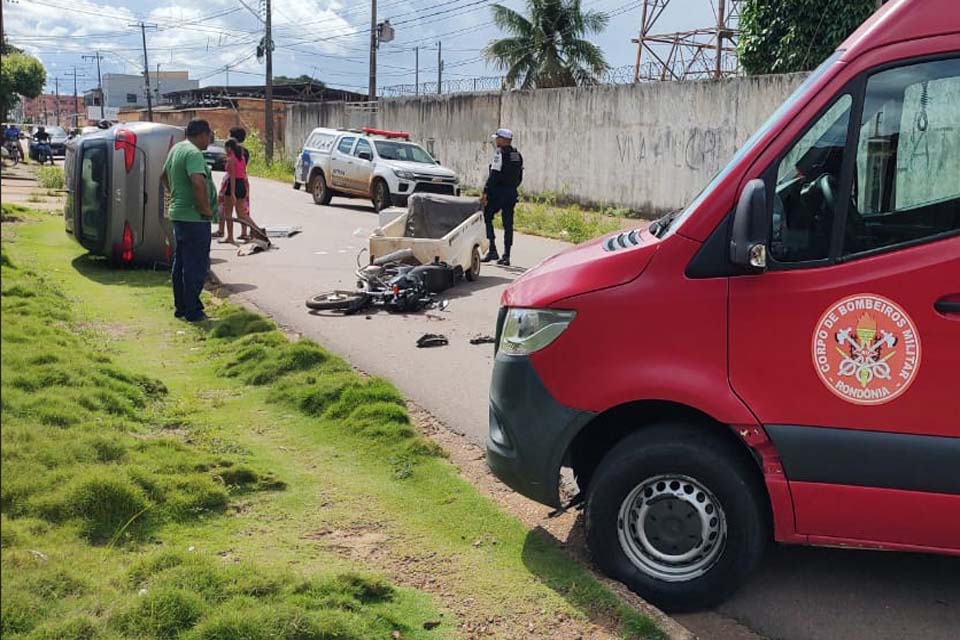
500,194
193,200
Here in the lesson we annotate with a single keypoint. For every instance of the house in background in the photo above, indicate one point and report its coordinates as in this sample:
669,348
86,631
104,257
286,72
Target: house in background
126,91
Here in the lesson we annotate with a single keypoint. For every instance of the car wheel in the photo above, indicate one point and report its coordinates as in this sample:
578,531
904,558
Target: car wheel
677,515
320,190
381,195
473,273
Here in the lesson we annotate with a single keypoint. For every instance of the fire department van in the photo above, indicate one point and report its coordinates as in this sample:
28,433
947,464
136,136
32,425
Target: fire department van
778,360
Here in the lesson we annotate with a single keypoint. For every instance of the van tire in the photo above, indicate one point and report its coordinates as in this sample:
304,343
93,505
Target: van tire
319,190
380,195
713,485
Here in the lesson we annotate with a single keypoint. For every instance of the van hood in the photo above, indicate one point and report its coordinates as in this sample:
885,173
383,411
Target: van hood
606,262
419,167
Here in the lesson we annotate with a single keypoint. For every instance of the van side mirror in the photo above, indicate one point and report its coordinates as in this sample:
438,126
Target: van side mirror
365,155
751,228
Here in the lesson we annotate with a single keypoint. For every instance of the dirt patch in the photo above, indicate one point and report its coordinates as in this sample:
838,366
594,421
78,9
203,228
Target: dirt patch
359,542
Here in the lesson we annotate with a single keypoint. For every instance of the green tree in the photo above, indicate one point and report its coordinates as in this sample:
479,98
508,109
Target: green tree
547,47
783,36
20,75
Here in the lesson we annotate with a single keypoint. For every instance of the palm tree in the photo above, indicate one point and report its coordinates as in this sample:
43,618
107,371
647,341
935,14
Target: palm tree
547,48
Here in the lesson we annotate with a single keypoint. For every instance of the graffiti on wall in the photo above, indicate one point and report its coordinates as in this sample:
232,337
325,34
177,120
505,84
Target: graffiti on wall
694,149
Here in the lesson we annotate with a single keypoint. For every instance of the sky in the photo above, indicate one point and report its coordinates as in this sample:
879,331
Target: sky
325,39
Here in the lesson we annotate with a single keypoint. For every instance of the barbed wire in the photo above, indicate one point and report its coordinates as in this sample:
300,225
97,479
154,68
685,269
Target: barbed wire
625,74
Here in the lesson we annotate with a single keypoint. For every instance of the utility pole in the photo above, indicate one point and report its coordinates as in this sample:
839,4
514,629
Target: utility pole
227,69
439,68
268,103
720,29
56,83
98,58
372,92
75,119
146,67
157,77
416,76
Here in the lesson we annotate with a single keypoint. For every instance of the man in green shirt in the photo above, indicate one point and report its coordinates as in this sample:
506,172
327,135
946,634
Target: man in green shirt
193,204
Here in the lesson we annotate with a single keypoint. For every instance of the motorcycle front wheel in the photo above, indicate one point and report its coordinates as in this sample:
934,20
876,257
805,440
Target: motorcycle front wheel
338,301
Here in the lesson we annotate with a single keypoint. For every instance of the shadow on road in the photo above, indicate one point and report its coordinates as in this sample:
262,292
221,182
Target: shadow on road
100,270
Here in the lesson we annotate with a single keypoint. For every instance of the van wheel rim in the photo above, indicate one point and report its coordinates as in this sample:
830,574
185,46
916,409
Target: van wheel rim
672,528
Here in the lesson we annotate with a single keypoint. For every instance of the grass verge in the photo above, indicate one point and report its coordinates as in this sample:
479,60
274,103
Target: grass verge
280,169
224,482
50,177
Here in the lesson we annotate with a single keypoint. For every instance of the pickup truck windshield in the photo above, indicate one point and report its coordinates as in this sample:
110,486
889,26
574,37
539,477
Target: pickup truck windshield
402,151
677,220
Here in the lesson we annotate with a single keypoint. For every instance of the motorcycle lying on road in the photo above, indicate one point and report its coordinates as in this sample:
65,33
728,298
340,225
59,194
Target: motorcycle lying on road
390,284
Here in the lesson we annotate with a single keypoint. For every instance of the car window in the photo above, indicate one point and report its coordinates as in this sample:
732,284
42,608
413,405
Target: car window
907,183
363,145
808,183
324,141
93,192
402,151
345,145
311,142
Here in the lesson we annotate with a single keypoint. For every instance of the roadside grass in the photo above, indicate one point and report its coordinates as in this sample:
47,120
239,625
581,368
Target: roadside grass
97,476
540,217
296,477
50,177
280,169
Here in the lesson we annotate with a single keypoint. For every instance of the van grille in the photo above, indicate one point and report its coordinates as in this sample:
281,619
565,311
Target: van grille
623,240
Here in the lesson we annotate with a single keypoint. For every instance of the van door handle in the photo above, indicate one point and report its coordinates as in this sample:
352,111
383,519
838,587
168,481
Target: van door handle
948,304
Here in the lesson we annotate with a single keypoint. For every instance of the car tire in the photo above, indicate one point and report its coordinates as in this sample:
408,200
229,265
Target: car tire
319,190
473,273
380,195
677,515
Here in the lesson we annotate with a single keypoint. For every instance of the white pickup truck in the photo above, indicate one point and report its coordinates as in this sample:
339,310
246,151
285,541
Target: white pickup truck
383,166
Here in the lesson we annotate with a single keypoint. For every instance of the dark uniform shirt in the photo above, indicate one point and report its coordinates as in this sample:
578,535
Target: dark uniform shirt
506,170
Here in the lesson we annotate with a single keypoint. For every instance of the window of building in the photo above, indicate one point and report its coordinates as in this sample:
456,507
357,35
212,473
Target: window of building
131,98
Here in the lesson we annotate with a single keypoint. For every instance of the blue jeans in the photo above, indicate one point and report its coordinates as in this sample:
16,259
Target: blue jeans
191,261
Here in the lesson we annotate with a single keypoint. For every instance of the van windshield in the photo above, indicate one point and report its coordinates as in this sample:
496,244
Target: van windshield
677,220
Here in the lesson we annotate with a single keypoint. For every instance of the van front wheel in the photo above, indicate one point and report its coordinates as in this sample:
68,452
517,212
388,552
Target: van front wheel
676,515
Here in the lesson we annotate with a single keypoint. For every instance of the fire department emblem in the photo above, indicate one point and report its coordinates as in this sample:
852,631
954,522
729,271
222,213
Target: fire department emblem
866,349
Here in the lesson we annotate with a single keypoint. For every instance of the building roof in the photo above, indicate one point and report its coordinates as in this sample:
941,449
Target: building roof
286,91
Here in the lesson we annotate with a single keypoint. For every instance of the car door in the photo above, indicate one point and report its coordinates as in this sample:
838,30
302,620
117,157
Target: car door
847,348
362,170
341,164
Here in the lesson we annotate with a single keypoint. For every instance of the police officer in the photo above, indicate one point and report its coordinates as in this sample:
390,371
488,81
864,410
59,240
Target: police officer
500,193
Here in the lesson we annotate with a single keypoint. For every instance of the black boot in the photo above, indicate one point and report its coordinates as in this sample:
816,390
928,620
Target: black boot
505,260
492,254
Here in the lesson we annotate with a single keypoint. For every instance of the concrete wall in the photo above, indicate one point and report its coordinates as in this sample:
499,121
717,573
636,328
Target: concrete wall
649,146
118,87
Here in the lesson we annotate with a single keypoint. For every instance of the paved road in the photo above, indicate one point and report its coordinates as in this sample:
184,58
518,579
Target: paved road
798,594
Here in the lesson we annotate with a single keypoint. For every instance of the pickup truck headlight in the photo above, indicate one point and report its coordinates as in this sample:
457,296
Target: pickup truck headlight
526,331
400,173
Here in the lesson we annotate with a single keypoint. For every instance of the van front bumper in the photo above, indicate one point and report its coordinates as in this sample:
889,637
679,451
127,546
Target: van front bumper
529,430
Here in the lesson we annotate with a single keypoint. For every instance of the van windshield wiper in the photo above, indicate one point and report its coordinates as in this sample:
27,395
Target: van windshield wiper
662,224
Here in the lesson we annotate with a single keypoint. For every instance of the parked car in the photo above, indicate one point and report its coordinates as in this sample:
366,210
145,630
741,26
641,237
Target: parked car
216,156
749,367
383,166
58,141
115,203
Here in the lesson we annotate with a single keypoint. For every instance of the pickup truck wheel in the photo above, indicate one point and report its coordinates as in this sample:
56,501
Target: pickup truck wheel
381,195
677,516
473,273
319,189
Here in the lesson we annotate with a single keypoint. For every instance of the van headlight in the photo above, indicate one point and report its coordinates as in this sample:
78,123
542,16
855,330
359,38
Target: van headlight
526,331
405,175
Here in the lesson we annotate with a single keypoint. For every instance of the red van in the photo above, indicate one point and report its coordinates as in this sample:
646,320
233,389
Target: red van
781,358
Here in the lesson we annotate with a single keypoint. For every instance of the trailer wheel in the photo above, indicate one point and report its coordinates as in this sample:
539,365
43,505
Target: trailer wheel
677,516
337,301
319,189
473,273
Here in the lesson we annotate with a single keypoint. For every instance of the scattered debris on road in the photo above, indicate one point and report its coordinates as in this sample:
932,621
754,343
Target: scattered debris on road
483,340
432,340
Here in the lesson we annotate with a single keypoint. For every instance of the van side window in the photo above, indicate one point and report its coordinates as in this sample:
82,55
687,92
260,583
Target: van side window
807,192
907,183
345,145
